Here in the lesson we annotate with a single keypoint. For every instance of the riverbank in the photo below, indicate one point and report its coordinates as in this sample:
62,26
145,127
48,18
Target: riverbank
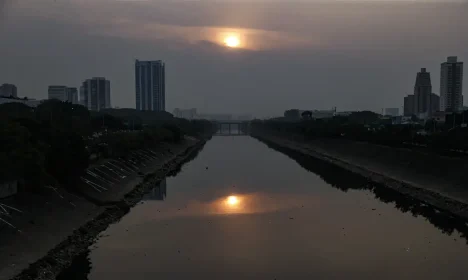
61,225
397,169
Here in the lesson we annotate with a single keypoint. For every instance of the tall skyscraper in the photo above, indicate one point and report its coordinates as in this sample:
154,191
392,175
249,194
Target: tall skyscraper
423,103
150,85
95,94
451,85
8,90
422,94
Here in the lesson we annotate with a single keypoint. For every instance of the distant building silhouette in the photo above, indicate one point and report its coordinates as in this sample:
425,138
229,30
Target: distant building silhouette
392,112
408,108
423,103
451,85
8,90
57,92
422,94
95,94
185,113
215,117
63,93
435,103
150,85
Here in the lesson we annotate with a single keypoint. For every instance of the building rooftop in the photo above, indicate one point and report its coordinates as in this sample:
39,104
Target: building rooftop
452,59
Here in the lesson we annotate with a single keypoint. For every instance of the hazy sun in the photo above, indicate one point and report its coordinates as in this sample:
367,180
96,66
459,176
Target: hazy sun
232,41
232,200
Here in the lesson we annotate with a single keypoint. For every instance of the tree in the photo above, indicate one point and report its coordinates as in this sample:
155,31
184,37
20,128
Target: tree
67,157
64,116
15,110
306,115
19,157
176,132
363,117
101,121
292,114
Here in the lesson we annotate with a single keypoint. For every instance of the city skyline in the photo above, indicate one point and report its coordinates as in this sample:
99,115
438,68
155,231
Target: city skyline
327,57
423,103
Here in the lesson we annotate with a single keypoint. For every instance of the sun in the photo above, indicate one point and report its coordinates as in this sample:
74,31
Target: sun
232,200
232,41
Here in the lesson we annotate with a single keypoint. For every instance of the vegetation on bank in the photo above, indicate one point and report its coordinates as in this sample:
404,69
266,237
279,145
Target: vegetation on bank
366,126
52,144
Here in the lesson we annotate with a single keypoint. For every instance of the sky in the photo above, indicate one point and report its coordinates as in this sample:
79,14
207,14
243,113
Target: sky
307,54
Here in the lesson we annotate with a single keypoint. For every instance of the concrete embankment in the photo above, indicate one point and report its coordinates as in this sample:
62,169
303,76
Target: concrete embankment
56,226
436,180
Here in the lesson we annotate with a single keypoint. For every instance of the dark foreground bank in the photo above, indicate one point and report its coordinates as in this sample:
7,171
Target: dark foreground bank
61,256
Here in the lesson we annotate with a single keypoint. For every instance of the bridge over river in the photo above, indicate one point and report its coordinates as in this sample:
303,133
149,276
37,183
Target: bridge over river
232,127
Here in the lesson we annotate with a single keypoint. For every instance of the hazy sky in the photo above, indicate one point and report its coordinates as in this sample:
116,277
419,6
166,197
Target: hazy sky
307,55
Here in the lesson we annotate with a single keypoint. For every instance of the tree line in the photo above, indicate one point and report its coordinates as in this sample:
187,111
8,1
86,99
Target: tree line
369,127
52,143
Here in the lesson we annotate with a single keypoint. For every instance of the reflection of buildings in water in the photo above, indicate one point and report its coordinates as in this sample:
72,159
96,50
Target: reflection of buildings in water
158,192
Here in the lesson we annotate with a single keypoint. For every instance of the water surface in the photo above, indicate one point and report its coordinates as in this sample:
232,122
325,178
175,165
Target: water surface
241,210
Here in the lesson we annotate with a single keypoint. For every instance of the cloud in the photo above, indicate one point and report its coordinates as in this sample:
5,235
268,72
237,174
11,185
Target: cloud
251,39
332,25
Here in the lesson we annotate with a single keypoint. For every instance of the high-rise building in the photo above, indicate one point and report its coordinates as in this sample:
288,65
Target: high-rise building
58,92
95,94
72,95
435,103
408,108
150,85
422,94
451,85
423,102
8,90
63,93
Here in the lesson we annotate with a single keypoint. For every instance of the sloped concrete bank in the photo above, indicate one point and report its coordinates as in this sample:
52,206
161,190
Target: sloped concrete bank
62,255
406,185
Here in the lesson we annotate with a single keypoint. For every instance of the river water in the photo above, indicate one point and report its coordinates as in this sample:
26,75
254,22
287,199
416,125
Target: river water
242,210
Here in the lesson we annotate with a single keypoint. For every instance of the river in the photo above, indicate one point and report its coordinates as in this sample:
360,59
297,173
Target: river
241,210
